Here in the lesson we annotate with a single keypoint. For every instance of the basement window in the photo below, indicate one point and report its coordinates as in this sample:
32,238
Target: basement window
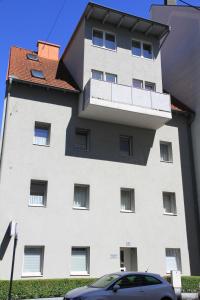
37,74
32,56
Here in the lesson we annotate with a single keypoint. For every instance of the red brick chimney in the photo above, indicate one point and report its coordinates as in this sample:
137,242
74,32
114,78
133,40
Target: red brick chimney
48,50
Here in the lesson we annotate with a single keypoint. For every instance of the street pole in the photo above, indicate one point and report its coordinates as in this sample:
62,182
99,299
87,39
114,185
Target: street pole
13,263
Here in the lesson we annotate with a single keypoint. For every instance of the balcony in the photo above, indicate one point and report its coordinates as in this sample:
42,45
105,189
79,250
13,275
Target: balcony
125,105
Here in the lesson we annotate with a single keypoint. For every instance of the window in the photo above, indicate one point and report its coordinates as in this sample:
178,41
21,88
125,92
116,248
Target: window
110,41
126,145
97,75
150,86
166,152
136,48
127,200
131,281
97,38
173,260
32,56
41,134
104,39
111,78
80,261
82,139
81,196
169,203
38,193
149,280
137,83
33,260
37,74
142,49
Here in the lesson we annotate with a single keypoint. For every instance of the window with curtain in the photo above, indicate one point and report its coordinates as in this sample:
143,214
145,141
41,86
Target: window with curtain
173,260
80,261
169,203
38,193
166,152
127,200
33,260
41,134
81,196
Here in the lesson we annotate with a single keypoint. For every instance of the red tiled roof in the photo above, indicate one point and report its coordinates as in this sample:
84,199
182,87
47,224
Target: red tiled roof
56,74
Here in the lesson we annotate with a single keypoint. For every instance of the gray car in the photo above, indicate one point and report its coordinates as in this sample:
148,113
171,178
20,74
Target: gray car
125,286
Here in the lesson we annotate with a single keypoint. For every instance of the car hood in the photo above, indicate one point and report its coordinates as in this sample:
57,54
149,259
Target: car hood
82,291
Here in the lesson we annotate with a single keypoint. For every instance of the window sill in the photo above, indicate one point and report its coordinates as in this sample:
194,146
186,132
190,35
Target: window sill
30,205
170,214
142,57
167,161
41,145
127,211
80,208
24,275
79,274
112,50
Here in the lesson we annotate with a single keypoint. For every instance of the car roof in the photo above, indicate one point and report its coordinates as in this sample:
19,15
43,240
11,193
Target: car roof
137,273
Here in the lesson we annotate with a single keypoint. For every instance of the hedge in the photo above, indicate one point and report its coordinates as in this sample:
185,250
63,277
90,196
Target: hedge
44,288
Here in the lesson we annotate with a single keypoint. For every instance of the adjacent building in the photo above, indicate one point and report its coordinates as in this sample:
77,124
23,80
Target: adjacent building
181,72
91,154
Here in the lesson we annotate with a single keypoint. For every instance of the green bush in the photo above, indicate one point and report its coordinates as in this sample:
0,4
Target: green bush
44,288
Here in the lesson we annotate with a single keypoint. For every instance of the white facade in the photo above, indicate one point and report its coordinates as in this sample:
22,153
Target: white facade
122,219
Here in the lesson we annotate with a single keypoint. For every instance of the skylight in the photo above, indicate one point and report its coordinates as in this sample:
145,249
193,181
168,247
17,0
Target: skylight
32,56
37,74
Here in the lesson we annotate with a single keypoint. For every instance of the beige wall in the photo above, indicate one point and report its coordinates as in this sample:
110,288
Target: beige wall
103,227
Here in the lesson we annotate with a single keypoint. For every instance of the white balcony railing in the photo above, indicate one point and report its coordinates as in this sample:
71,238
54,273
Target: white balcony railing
128,95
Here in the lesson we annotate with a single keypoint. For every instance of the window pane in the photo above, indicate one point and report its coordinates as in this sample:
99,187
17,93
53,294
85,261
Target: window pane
37,193
149,280
41,134
110,41
169,203
125,145
111,78
81,139
173,260
127,200
33,257
97,75
166,151
150,86
147,51
81,196
97,38
79,260
137,83
136,48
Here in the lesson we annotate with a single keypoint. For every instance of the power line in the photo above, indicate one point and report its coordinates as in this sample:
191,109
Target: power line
56,20
190,5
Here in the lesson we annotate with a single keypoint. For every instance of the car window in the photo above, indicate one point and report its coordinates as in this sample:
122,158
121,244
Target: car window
104,281
149,280
131,281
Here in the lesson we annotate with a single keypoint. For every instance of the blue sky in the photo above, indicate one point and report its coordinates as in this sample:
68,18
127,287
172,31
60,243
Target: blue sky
24,22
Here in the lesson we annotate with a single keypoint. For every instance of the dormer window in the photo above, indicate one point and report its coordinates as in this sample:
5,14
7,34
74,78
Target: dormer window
32,56
104,39
37,74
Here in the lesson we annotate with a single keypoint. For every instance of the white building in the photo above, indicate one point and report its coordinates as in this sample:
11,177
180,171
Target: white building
91,171
181,73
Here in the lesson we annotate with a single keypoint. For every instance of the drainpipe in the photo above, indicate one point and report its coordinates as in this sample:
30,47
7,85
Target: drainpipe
4,123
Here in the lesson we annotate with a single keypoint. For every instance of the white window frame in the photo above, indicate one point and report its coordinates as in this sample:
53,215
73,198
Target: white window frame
45,194
82,273
142,49
34,274
136,79
132,194
99,72
41,125
104,38
170,149
173,195
179,263
115,76
153,84
88,196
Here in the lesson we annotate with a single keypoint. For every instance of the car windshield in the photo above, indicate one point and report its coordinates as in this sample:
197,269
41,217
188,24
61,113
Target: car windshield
104,281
